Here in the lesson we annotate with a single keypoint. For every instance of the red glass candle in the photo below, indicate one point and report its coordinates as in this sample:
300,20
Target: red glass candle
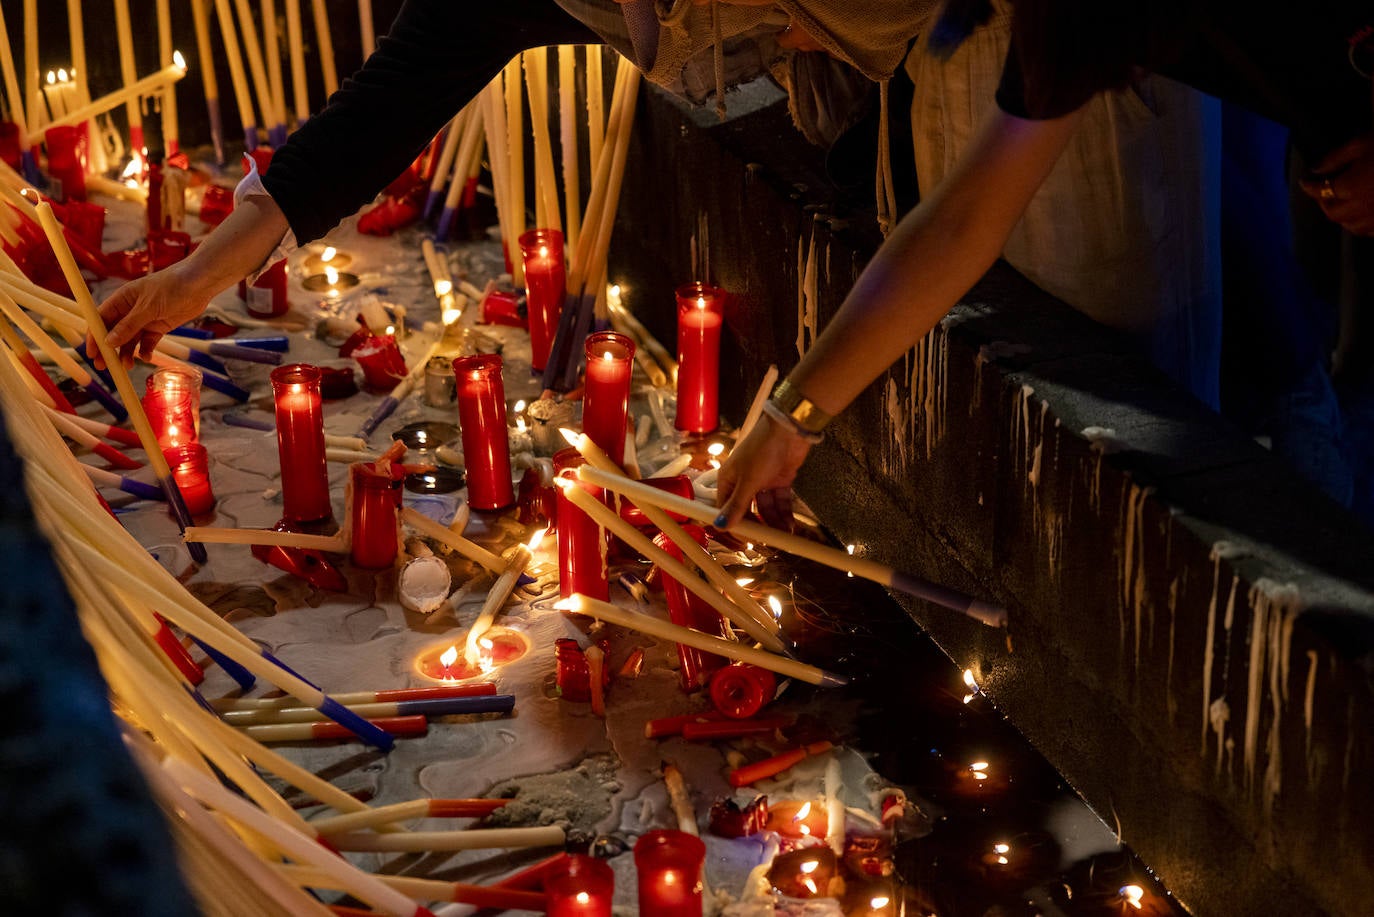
181,382
581,542
542,250
669,866
688,610
171,416
190,466
381,360
580,886
482,416
606,402
300,443
376,498
700,313
681,486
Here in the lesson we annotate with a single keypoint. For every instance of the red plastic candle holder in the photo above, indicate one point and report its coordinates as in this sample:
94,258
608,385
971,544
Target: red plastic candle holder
580,886
300,443
700,314
542,251
190,466
581,542
376,499
606,402
482,417
669,867
266,297
740,690
67,148
688,610
381,360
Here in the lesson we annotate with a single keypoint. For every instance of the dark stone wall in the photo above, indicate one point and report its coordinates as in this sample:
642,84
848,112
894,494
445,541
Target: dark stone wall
1191,626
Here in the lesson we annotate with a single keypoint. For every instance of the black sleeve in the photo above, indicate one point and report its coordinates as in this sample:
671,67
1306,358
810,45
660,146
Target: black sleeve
1061,88
438,55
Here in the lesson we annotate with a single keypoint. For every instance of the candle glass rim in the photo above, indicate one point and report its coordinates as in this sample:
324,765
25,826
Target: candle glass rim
550,238
599,343
481,363
700,289
296,374
193,452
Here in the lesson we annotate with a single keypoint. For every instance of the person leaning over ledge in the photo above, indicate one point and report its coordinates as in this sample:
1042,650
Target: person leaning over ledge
1310,72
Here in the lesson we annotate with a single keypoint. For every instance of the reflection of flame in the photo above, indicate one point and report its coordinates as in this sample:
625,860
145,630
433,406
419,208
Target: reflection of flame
809,867
715,449
448,657
535,539
1132,895
331,275
134,169
878,902
776,606
810,885
443,287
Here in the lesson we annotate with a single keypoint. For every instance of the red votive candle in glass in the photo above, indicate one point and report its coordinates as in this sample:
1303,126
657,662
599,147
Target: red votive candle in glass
700,313
688,610
740,690
581,542
606,401
171,416
267,296
177,384
482,417
300,443
580,886
67,148
542,251
669,866
190,466
376,498
381,360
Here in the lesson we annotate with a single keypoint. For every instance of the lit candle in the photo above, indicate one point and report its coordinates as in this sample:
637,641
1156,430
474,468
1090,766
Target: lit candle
686,610
580,886
180,382
300,442
373,512
190,465
542,251
482,416
669,867
700,314
129,73
606,402
581,542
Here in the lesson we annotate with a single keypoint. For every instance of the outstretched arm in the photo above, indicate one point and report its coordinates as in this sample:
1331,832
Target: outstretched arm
933,257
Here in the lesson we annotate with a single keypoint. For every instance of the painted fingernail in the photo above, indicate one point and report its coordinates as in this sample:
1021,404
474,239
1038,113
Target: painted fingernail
720,521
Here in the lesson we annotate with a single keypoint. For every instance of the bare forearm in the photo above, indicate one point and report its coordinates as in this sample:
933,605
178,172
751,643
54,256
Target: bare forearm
235,248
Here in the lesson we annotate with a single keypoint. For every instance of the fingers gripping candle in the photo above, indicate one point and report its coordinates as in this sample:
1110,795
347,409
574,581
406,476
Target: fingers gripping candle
700,314
482,417
610,361
300,442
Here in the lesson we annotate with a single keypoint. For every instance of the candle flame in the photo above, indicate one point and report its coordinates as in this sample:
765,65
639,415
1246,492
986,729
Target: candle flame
978,766
443,287
451,315
536,538
809,867
390,329
519,406
572,438
62,75
968,679
805,829
701,302
878,902
520,424
776,607
1132,894
133,170
744,581
804,811
715,449
1001,848
328,253
582,898
543,251
448,657
179,60
608,356
669,877
331,275
52,77
485,643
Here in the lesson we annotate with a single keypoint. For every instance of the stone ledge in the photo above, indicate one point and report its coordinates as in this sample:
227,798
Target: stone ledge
1179,597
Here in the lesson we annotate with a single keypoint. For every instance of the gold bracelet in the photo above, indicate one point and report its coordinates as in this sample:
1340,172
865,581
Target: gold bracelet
800,409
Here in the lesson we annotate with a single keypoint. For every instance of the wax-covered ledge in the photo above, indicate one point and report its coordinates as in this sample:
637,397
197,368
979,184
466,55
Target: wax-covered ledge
1190,626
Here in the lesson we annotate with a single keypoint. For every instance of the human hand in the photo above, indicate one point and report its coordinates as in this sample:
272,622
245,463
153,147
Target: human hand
139,313
761,469
1343,184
